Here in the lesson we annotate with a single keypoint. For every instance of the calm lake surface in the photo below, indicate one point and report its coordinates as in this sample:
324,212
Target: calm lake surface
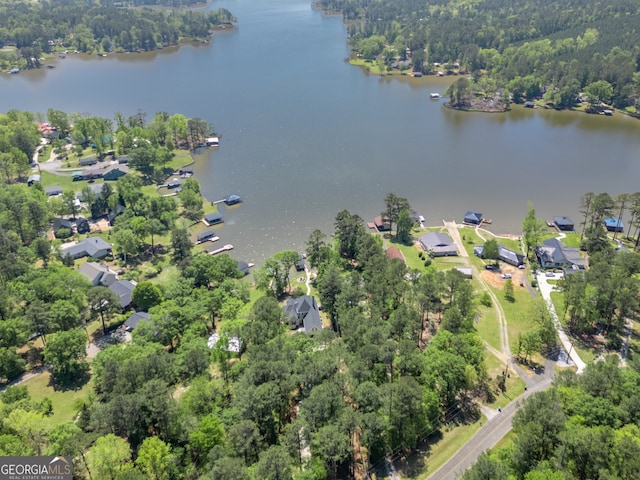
305,135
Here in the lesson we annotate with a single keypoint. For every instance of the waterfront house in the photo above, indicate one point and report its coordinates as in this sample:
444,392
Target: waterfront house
613,225
94,247
563,223
438,244
212,219
53,191
136,319
553,253
504,254
303,313
472,218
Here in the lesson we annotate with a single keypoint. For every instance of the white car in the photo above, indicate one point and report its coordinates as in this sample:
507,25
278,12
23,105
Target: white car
506,275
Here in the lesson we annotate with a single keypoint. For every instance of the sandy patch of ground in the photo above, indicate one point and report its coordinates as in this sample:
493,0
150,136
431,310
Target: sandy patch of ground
99,225
495,278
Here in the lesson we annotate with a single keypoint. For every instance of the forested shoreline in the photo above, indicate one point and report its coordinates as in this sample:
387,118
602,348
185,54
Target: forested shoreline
30,31
527,50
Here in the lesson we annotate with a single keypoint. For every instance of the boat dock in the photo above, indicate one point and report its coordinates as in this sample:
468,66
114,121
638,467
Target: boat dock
226,248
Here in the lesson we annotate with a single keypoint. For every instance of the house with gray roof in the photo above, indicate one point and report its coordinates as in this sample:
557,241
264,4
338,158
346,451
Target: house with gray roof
504,254
136,319
94,247
438,244
53,191
304,314
124,290
98,274
555,254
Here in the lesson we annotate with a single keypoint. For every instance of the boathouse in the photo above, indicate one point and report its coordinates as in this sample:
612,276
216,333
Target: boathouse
212,219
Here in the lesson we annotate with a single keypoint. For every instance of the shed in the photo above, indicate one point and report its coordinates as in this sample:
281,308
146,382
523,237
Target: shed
53,191
85,162
34,178
466,271
82,226
472,218
212,218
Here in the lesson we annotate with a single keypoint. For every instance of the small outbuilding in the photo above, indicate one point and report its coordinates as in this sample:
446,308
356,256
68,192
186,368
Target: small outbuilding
212,219
564,223
62,228
205,235
86,162
232,199
472,218
53,191
34,178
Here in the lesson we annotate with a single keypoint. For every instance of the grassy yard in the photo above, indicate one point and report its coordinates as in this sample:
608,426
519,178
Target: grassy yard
64,402
66,182
515,385
488,327
515,313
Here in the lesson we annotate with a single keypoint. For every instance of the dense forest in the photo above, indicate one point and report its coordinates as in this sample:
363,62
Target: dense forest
526,49
39,28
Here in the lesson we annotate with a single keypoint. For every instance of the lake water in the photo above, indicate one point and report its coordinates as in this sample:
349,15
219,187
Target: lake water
305,135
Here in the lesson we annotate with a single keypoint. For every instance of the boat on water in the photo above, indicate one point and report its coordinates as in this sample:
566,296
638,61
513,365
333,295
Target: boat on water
13,71
435,96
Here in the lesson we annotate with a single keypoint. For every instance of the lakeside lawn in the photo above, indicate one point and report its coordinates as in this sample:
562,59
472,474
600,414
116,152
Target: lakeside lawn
487,326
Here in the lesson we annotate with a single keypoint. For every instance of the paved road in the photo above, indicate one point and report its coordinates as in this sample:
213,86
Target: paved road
486,437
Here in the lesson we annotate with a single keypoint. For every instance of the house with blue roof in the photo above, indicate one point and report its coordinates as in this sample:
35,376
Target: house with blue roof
472,218
613,224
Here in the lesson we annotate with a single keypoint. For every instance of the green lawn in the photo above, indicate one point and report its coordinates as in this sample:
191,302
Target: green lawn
515,313
66,182
488,327
63,401
572,239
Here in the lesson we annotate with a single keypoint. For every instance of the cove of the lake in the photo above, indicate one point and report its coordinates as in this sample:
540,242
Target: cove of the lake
305,135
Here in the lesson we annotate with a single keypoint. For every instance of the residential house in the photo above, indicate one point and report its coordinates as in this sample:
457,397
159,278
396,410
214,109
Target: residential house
96,188
438,244
34,178
62,228
564,223
124,290
136,319
53,191
613,225
94,173
212,219
304,314
553,253
504,254
382,224
98,274
472,218
94,247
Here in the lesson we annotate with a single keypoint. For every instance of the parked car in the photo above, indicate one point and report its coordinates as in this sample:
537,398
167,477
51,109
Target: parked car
492,267
550,274
506,275
522,266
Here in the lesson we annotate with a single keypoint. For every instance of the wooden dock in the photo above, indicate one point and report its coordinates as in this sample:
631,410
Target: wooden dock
226,248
